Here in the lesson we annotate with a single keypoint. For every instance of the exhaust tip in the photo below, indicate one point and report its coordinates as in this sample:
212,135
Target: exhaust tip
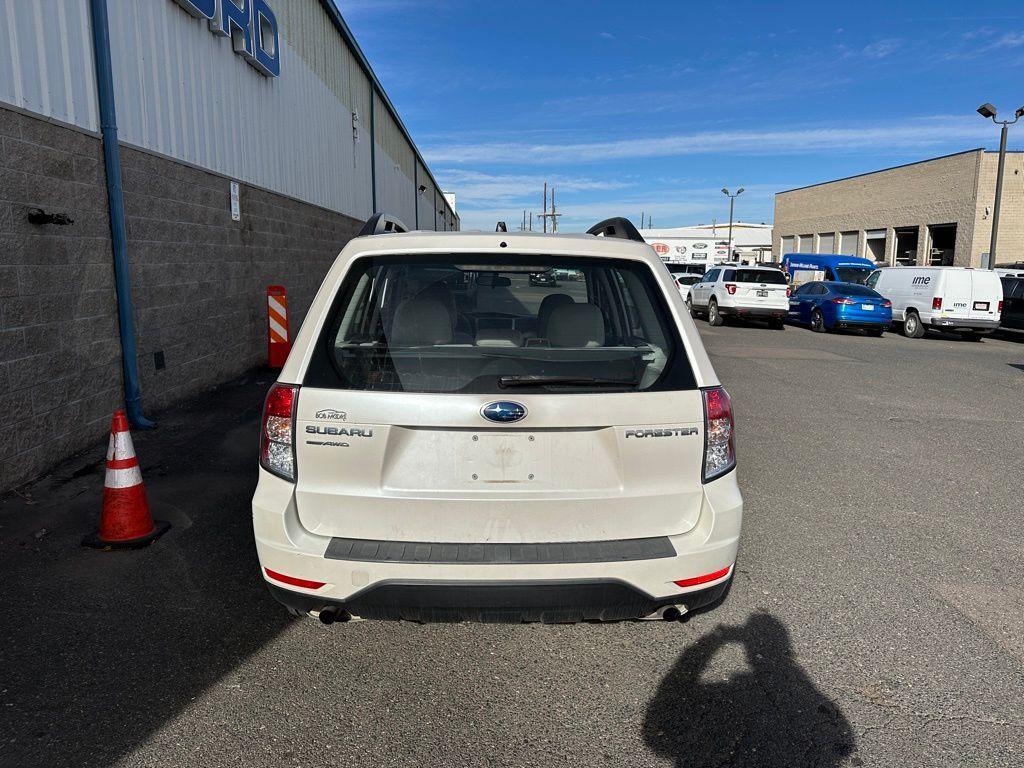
332,613
671,614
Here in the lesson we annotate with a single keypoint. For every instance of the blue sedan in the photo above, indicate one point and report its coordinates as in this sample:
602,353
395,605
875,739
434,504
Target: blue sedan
826,306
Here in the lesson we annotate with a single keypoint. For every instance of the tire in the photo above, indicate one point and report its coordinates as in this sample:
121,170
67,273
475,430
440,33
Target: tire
818,322
913,328
776,325
970,336
689,306
714,317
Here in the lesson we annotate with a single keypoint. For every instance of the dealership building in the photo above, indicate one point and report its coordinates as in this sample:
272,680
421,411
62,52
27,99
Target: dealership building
934,212
162,163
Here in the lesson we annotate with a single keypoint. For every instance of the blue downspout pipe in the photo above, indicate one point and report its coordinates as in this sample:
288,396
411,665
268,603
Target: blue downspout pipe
373,148
115,202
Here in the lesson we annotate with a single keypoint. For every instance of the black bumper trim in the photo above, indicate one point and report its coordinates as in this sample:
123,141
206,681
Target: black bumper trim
757,312
515,602
366,550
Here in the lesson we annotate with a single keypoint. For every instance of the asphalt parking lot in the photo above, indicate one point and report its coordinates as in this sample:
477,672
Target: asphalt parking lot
877,617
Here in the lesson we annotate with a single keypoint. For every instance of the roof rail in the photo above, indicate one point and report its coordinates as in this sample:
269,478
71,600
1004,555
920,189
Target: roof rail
382,224
502,227
619,227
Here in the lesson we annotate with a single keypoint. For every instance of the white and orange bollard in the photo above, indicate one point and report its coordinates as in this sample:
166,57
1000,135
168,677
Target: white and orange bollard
125,522
278,341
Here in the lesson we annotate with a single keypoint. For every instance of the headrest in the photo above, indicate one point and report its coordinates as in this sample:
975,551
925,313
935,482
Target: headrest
576,325
421,322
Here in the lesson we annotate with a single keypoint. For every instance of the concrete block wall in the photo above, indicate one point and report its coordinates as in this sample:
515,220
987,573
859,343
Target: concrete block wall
1010,247
59,346
198,280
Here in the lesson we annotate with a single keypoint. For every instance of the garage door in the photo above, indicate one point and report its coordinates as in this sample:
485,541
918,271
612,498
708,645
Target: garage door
848,243
806,243
788,245
827,243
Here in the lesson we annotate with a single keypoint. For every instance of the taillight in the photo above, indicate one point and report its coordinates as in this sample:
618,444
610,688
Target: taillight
789,291
719,433
1000,308
277,433
843,301
887,304
937,302
731,288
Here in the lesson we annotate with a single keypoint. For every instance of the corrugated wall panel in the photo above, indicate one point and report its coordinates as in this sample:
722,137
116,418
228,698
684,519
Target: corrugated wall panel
46,63
181,91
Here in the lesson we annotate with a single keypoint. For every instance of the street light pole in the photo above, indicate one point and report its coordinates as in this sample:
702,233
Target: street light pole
989,111
732,202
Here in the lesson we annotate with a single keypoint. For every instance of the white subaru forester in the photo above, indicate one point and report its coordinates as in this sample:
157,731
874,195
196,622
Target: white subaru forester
448,441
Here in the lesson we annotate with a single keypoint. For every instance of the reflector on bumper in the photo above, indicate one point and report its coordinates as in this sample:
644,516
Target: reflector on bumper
704,579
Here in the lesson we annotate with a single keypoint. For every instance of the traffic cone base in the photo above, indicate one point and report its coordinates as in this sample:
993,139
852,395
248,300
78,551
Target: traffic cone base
125,522
160,527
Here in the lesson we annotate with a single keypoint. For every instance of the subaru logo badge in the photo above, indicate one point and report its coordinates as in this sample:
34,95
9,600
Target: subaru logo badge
503,412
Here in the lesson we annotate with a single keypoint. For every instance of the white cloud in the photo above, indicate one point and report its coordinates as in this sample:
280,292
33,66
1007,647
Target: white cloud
488,188
936,131
882,48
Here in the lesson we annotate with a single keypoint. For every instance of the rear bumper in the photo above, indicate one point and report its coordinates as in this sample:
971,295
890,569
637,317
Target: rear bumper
521,583
761,313
956,323
510,602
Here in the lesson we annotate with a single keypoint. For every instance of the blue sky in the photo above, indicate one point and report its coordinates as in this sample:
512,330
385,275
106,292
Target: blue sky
655,106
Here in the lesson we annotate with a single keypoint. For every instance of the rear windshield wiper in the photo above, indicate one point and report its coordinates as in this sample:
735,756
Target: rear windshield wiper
541,380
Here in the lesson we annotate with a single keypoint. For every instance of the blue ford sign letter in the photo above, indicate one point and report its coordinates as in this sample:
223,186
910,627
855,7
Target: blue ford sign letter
250,24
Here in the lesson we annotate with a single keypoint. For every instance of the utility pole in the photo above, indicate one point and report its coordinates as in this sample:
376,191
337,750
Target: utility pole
544,216
553,215
987,110
531,221
641,219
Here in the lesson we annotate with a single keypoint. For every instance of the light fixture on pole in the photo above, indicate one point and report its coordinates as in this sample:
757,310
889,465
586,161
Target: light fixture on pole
732,203
989,111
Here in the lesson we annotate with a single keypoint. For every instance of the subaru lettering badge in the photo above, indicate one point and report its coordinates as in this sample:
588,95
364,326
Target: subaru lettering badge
503,412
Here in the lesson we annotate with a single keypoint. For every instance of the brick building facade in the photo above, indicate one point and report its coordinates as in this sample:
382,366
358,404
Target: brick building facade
936,211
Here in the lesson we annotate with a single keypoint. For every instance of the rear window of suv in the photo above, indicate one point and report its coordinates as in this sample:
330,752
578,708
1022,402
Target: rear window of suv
755,276
476,324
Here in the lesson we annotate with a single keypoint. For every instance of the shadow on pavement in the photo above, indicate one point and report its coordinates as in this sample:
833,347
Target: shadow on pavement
100,649
769,715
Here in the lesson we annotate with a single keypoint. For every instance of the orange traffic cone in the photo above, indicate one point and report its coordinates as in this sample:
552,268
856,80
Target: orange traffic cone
125,521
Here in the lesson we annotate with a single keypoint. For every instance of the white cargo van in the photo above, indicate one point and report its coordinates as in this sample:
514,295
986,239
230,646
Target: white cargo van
448,441
958,299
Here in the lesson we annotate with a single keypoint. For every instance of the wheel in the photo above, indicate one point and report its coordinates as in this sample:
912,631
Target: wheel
714,317
912,326
970,336
689,305
876,332
776,325
818,322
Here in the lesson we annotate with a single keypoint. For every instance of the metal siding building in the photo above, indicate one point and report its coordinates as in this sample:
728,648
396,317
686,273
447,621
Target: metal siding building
308,152
180,92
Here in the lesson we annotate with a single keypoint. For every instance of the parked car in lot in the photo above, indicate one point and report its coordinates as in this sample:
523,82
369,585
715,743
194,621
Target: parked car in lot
749,293
831,267
958,299
546,279
826,306
428,457
684,282
1013,302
